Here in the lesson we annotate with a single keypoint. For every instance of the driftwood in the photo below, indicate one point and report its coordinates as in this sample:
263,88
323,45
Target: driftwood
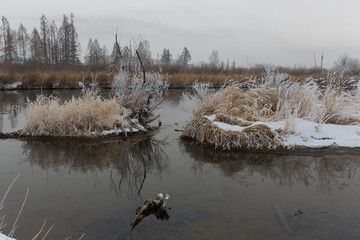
156,206
13,135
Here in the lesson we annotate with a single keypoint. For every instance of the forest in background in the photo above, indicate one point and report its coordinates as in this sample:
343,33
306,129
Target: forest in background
52,57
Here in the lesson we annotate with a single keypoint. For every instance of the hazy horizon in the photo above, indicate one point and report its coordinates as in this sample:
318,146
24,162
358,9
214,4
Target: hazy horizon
278,32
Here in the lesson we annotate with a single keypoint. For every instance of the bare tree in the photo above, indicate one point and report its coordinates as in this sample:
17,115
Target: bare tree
116,54
9,42
95,53
35,50
64,41
347,64
54,44
185,58
74,45
23,41
103,54
143,49
44,33
214,59
233,65
166,57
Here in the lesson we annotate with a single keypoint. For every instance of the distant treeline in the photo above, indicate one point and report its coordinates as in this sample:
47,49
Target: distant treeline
51,57
53,44
49,45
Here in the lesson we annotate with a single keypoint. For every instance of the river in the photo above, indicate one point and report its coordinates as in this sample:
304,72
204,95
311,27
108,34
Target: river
94,187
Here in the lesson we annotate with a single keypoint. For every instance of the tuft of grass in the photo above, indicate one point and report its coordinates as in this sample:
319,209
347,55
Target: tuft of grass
76,117
202,130
270,97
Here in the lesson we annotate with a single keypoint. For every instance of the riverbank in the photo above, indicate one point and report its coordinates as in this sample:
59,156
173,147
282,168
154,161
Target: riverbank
27,77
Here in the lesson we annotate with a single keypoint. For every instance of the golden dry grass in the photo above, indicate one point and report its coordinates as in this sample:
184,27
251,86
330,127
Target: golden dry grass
76,117
187,79
204,131
272,97
38,78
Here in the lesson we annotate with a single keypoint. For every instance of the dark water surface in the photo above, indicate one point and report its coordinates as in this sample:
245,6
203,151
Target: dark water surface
94,187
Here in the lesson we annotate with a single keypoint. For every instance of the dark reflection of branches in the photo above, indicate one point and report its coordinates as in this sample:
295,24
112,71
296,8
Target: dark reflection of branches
138,159
129,161
325,169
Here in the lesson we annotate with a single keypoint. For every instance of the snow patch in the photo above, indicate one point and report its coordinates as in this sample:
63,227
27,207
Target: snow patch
118,131
305,133
12,85
4,237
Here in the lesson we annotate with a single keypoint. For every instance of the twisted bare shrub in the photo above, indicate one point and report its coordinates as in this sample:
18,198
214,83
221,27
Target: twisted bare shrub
136,94
139,91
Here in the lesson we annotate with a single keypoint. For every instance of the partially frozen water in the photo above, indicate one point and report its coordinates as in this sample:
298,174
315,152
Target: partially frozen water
94,187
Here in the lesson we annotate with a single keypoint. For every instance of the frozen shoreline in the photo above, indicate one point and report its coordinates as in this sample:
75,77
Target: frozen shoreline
4,237
304,133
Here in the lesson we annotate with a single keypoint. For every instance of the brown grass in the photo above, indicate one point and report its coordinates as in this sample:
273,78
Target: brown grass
76,117
202,130
67,76
231,120
217,80
52,76
272,97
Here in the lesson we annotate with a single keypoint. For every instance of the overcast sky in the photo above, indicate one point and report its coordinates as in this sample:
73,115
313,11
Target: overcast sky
280,32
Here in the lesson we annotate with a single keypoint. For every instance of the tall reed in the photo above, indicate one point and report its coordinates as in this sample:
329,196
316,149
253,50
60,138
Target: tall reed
272,96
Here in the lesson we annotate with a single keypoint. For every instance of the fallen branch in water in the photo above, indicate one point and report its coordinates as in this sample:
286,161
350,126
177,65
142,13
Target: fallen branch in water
156,206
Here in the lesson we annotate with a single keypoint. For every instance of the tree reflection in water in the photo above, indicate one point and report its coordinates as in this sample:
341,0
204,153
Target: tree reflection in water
10,105
128,160
326,168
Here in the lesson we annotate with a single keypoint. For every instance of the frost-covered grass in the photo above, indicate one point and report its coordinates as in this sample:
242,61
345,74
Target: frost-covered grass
272,97
136,94
82,116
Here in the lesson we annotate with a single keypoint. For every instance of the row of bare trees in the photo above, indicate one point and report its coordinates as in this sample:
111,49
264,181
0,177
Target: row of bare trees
49,45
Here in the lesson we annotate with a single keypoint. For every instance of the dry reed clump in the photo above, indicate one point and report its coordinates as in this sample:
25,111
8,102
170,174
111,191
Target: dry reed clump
306,101
273,97
231,120
52,78
76,117
217,80
338,107
259,136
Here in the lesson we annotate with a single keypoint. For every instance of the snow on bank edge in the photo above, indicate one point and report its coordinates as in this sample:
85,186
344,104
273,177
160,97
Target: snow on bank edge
4,237
305,135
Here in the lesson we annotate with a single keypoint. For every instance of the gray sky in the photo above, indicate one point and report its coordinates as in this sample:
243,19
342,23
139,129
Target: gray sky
280,32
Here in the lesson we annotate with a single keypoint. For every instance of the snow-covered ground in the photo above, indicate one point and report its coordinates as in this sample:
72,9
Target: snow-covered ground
308,134
12,85
4,237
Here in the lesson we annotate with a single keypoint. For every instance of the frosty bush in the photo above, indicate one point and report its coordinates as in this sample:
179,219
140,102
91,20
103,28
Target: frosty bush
137,90
136,94
83,116
191,102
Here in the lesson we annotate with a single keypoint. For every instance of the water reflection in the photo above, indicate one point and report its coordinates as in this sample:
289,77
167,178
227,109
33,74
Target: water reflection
129,161
10,105
326,171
